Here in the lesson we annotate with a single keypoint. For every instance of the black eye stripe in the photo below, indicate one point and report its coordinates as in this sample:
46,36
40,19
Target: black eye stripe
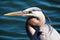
36,10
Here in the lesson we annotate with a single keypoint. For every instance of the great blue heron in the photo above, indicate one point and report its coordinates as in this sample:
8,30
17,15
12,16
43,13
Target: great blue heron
36,27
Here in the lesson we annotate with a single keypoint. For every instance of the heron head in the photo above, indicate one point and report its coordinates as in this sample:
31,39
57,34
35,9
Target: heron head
33,11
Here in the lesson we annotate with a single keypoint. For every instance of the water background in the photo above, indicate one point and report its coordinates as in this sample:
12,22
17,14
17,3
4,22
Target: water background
13,28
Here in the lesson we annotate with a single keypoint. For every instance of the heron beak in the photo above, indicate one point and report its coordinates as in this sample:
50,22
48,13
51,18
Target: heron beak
19,13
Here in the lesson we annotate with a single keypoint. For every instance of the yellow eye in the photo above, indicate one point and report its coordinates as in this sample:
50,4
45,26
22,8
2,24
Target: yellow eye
30,11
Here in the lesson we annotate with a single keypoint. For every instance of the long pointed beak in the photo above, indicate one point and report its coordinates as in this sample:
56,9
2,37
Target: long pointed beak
19,13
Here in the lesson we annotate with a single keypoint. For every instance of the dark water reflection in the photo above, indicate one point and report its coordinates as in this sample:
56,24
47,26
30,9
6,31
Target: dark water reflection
13,28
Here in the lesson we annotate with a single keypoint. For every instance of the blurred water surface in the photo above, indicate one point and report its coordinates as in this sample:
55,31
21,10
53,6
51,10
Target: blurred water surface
13,28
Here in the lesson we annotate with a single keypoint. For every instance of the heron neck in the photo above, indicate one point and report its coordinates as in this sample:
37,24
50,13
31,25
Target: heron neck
42,20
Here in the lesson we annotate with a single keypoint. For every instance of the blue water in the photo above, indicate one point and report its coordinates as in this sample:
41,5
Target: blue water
13,28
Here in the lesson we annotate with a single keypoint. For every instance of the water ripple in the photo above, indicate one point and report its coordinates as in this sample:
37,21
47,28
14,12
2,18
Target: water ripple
13,28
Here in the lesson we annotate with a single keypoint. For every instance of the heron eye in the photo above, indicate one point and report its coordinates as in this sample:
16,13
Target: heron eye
30,11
